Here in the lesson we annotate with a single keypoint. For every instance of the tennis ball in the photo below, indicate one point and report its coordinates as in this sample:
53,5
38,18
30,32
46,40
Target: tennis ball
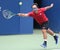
20,3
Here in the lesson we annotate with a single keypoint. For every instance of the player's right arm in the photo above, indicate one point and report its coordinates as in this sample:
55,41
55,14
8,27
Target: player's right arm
25,15
22,14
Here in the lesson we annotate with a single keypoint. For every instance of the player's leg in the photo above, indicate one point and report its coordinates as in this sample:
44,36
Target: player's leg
53,34
44,31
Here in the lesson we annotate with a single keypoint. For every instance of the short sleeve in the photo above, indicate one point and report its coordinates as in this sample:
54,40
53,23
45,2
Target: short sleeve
30,14
43,9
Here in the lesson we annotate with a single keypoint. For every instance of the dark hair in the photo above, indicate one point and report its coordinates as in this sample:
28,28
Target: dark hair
35,4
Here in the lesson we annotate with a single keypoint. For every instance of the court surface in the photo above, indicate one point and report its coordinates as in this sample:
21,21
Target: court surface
27,42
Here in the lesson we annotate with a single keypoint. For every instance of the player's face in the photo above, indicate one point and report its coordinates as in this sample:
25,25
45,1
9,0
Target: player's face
35,8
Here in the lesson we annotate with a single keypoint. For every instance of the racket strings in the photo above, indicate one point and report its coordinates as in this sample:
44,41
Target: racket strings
7,14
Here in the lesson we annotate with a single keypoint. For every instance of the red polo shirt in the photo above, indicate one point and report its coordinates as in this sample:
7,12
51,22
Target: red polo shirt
40,17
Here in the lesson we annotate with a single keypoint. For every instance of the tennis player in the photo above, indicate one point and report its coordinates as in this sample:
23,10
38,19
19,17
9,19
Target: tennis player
39,15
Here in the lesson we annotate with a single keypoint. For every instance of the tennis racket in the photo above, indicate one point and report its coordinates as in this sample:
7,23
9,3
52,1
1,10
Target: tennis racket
7,14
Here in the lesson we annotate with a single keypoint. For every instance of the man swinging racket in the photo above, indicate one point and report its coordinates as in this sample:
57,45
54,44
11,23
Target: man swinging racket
39,15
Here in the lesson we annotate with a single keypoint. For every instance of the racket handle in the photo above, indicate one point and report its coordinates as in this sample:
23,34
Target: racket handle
19,14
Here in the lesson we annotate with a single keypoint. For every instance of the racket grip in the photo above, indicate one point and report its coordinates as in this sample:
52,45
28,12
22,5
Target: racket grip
19,14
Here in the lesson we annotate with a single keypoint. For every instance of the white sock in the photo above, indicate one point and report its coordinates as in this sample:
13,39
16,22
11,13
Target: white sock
45,39
53,34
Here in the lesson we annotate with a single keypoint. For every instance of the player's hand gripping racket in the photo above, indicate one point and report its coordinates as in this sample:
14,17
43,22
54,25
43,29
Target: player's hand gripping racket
7,14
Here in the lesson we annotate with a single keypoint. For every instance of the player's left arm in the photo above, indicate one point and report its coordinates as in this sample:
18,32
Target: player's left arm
48,7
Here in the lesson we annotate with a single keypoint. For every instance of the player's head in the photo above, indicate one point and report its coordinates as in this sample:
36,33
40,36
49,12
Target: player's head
35,7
